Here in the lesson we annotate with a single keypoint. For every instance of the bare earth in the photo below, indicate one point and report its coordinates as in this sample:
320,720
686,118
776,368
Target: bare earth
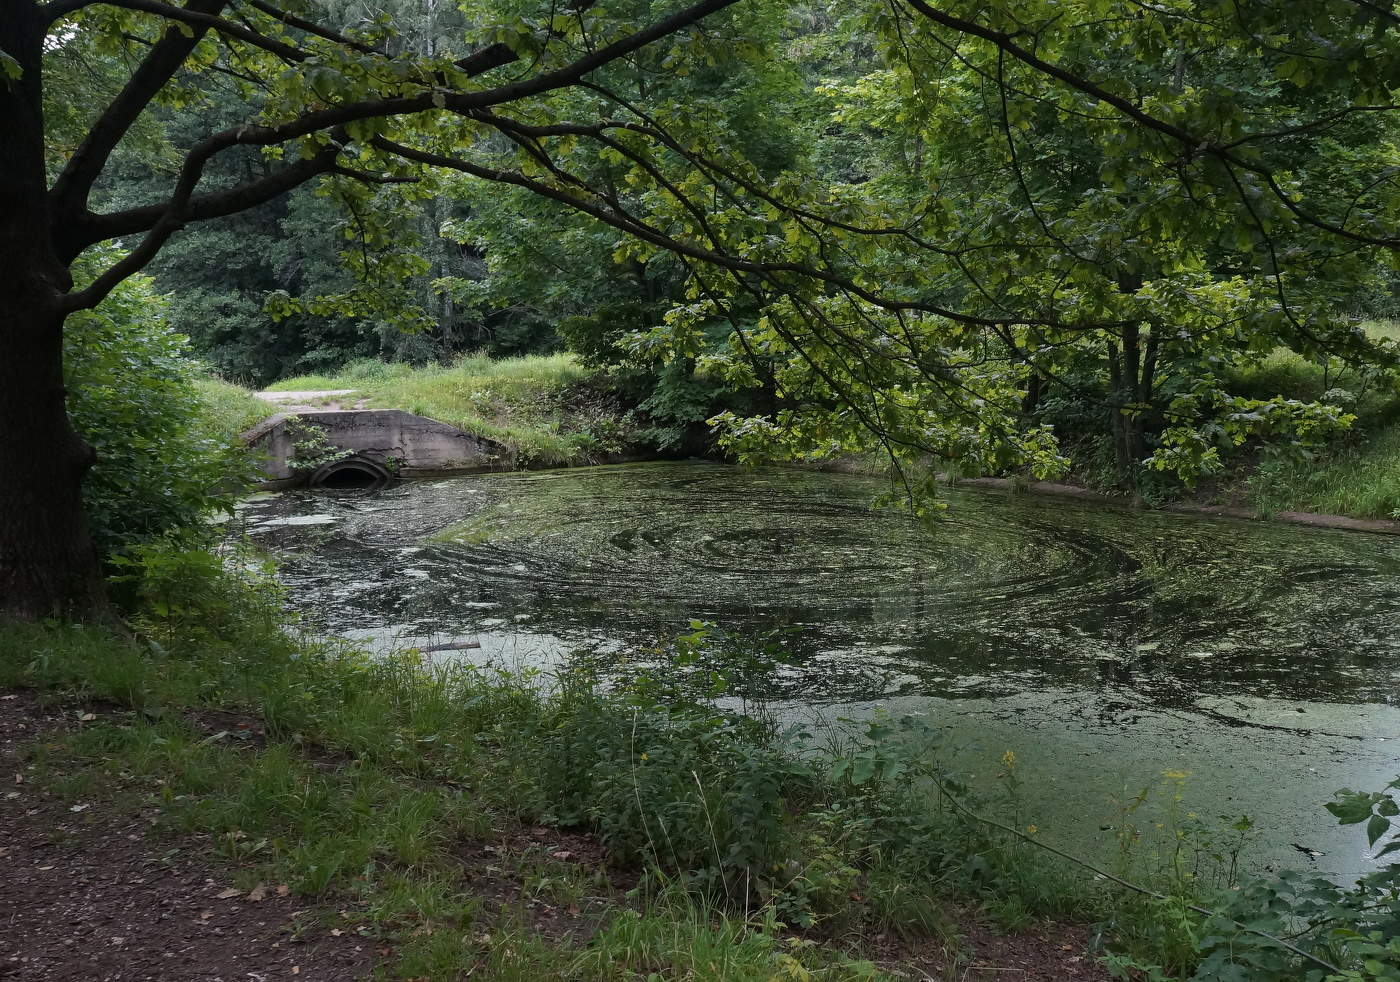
86,895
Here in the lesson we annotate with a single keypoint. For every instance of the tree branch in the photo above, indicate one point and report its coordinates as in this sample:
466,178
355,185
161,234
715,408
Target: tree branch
1193,143
209,22
70,190
87,229
165,220
325,33
612,215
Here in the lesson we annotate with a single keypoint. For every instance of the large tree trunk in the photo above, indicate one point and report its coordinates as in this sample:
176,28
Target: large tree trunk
48,566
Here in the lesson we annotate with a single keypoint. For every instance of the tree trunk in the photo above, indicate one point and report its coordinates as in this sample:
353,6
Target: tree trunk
48,566
1130,372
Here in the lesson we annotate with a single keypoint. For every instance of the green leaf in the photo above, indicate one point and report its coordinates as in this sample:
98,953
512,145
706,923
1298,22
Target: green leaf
1351,807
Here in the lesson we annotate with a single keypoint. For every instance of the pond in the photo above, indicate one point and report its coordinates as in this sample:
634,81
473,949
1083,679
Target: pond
1104,646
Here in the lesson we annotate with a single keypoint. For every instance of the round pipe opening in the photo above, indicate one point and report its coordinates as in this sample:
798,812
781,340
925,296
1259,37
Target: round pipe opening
351,474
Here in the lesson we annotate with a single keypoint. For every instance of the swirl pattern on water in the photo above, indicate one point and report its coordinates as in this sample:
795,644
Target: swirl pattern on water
1003,594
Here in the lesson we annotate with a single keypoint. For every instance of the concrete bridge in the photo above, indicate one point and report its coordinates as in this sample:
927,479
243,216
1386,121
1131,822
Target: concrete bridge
363,448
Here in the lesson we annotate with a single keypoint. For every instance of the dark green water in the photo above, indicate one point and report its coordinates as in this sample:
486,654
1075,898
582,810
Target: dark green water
1103,646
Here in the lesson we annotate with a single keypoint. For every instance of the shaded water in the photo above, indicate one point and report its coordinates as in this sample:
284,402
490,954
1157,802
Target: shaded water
1104,646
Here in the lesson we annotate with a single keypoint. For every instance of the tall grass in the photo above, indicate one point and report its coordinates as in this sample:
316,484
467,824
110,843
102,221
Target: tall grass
1362,481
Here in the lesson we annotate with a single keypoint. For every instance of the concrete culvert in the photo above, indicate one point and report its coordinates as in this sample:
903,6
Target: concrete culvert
351,473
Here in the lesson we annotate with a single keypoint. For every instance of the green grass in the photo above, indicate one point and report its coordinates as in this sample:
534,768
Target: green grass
1360,477
1360,481
534,405
230,409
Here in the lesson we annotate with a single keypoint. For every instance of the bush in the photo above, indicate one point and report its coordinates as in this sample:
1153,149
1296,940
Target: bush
161,465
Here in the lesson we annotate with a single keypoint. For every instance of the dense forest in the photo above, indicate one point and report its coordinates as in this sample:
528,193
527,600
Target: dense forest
1146,248
1044,286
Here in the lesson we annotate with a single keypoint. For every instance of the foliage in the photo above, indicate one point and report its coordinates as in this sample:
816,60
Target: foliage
176,593
774,221
1376,809
1288,926
311,447
162,462
1282,425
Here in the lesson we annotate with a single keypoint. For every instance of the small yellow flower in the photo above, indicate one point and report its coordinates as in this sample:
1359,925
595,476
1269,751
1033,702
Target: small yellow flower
1174,775
1031,830
1008,760
644,756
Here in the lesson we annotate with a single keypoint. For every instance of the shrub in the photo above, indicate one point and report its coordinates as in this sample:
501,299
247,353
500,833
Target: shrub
134,397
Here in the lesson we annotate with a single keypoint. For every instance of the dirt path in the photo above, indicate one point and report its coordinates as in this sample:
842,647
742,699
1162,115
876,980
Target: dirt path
311,400
86,895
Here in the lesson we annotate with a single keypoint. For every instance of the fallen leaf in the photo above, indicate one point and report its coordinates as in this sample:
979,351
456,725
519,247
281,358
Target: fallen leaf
283,890
87,717
336,932
8,698
228,894
45,867
19,778
204,915
257,893
296,969
79,808
562,854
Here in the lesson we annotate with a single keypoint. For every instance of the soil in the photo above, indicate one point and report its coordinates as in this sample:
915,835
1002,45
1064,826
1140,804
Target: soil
88,893
1046,953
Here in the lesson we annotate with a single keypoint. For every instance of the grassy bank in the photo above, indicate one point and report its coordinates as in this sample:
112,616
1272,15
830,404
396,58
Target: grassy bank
541,407
547,411
230,409
698,844
1360,477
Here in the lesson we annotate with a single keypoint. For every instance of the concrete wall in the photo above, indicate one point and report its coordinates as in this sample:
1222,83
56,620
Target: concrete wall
409,445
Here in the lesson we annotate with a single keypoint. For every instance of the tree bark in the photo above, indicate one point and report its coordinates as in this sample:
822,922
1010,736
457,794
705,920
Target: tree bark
48,565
